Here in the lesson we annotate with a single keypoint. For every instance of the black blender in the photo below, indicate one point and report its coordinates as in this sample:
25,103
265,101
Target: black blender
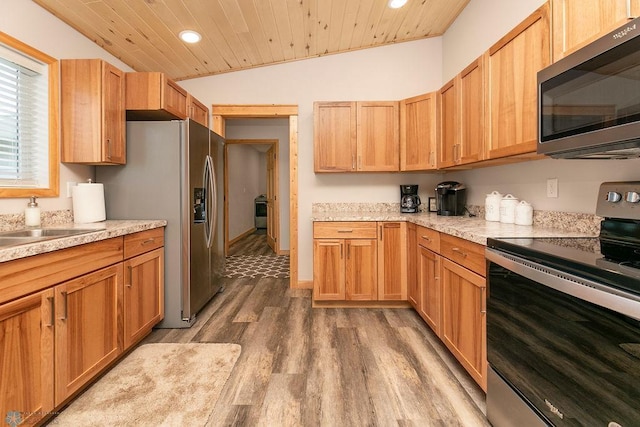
409,199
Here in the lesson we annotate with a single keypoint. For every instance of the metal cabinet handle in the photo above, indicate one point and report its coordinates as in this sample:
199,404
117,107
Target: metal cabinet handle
146,242
353,161
345,230
629,16
459,251
109,148
64,311
483,309
426,238
341,247
52,317
348,251
130,284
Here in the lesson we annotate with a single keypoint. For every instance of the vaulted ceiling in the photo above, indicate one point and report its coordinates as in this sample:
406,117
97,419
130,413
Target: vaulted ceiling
241,34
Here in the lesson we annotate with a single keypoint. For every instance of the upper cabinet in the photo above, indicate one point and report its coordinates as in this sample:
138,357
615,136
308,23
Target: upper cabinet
153,96
511,94
92,112
578,22
418,138
461,117
356,136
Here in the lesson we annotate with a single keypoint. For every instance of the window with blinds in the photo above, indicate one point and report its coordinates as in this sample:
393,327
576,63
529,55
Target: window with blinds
24,128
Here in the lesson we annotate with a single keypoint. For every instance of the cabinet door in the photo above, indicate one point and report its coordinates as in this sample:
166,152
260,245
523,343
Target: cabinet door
334,136
413,287
361,272
114,142
464,318
378,136
418,139
174,99
448,125
511,96
429,283
471,113
328,269
26,357
579,22
392,261
86,328
198,111
143,295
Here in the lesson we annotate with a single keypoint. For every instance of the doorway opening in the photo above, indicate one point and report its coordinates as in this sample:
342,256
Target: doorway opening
220,113
252,164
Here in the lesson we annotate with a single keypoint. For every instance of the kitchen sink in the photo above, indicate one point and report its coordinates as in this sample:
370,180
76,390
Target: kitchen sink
31,235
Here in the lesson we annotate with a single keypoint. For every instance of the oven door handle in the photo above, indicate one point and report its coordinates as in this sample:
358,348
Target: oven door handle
579,287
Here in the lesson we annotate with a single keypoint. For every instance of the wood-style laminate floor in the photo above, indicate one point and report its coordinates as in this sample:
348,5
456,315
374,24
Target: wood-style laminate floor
301,366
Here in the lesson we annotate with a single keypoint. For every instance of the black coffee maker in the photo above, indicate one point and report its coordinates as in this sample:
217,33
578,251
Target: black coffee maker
409,199
451,197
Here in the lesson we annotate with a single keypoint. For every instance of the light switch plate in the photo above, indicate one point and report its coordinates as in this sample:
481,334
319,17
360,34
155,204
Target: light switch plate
552,187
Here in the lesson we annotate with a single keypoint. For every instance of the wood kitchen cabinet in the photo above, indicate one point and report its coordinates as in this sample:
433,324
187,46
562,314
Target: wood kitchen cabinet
26,356
464,318
429,277
87,324
413,288
198,112
92,112
154,96
392,265
356,136
418,136
143,284
511,86
461,117
345,261
579,22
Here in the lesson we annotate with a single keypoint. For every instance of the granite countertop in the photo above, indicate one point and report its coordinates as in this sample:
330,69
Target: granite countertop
474,229
102,230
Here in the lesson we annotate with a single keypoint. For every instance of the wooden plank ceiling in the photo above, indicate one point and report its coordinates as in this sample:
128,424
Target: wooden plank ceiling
241,34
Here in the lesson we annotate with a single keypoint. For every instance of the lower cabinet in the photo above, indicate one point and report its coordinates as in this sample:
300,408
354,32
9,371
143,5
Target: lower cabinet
87,320
26,357
429,307
464,318
78,321
413,287
359,261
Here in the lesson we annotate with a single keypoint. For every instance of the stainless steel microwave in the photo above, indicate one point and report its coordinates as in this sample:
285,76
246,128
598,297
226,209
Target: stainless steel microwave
589,101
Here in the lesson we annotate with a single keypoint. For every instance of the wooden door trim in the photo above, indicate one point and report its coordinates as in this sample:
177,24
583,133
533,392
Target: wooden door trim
229,142
221,112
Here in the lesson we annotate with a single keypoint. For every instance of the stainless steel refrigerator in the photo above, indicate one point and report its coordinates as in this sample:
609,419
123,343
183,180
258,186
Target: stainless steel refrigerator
174,171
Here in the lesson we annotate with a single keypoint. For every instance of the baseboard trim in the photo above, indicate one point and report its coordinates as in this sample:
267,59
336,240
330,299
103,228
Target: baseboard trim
302,284
242,236
360,304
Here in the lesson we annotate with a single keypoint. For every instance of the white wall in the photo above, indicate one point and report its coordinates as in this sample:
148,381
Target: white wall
482,23
269,129
33,25
386,73
243,171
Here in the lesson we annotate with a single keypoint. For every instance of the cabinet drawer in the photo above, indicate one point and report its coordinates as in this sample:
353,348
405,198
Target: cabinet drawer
464,252
144,241
345,230
429,239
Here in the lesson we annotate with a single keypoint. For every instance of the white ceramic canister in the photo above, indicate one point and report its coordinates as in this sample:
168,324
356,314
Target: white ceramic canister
524,213
508,209
492,206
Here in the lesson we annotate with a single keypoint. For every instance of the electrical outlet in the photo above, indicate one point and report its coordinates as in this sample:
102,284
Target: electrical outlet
552,187
70,185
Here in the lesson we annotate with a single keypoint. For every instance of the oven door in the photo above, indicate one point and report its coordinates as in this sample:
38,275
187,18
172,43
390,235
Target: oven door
567,347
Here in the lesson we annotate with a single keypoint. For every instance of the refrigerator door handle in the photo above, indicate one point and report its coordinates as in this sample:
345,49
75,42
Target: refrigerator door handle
210,188
214,200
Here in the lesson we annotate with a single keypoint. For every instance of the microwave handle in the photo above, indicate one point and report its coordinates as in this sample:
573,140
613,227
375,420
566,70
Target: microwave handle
629,16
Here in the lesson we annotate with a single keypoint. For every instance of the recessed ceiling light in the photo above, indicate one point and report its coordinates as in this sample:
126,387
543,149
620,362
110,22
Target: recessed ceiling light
190,36
396,4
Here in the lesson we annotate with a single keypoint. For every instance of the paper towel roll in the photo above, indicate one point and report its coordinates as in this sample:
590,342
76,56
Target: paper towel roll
88,203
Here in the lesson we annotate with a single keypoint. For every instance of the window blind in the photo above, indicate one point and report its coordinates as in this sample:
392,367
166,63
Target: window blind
23,121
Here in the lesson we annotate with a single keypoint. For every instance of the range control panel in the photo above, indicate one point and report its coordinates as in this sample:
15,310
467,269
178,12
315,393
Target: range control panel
619,200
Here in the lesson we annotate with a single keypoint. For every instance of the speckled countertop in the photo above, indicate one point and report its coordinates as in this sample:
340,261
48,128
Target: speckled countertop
474,229
100,231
